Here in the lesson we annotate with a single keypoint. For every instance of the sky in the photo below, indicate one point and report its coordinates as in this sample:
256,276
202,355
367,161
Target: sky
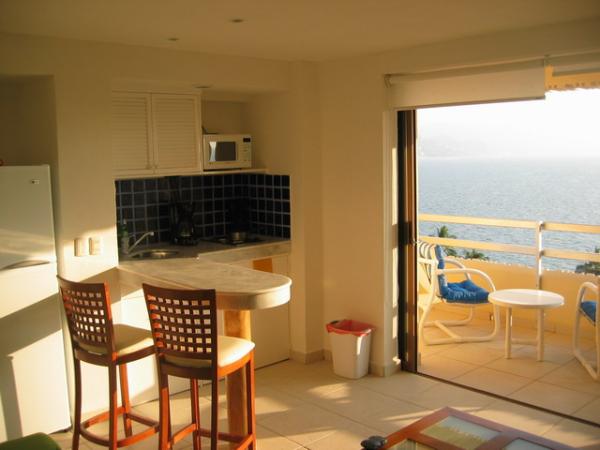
564,124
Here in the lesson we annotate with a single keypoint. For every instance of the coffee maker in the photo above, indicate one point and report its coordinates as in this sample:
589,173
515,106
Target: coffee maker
182,223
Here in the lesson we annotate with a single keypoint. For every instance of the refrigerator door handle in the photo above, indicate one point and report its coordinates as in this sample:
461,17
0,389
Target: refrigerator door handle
26,263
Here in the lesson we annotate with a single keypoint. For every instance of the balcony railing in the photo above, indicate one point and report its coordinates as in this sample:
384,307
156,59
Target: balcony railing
538,228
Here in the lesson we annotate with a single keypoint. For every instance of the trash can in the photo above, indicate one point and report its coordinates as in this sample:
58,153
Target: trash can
350,347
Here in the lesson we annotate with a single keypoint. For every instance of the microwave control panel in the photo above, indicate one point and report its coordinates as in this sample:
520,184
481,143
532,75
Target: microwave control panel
246,151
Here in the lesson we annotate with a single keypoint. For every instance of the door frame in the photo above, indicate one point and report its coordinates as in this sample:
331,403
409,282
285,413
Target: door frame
406,159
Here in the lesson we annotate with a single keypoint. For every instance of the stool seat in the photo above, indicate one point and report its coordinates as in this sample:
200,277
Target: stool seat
230,350
128,340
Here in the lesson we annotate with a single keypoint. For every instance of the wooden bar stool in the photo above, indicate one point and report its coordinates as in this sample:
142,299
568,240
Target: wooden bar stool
95,340
184,329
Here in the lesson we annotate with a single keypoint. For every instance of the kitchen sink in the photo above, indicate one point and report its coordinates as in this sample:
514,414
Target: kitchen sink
154,254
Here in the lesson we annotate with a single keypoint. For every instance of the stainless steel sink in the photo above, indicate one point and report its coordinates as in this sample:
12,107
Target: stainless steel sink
154,254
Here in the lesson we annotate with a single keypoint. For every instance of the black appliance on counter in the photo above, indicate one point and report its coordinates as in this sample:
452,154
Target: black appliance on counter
182,224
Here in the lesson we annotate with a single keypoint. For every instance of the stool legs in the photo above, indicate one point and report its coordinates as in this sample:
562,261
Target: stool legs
125,402
163,399
112,408
250,401
214,415
77,419
195,413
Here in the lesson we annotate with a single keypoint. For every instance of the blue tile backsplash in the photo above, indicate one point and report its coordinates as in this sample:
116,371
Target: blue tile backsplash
145,204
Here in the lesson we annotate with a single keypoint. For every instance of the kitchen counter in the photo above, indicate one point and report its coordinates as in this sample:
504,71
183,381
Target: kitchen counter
237,288
204,266
223,253
239,291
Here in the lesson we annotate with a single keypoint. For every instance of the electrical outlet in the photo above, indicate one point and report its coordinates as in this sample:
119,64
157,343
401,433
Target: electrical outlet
96,245
81,247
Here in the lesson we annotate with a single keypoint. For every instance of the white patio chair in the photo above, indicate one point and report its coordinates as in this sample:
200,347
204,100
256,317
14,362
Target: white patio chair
589,309
430,272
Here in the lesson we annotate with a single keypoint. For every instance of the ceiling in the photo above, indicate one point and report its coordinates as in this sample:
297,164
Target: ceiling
307,30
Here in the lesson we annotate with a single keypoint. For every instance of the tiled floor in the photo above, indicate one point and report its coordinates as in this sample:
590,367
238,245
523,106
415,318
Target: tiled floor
308,407
558,383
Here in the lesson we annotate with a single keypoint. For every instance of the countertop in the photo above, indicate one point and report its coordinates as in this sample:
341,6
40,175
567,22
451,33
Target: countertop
203,267
216,252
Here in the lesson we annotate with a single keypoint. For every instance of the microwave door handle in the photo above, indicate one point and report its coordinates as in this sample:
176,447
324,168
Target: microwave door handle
25,263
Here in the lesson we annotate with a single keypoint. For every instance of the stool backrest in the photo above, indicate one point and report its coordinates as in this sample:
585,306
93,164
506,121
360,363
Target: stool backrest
88,311
183,322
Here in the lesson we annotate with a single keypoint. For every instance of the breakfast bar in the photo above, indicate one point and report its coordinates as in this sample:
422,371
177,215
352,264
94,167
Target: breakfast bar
239,290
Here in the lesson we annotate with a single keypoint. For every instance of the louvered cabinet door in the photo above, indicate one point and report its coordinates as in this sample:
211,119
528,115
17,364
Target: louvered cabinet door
175,120
132,146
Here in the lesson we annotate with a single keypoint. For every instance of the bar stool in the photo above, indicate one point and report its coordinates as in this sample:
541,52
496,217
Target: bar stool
184,329
95,340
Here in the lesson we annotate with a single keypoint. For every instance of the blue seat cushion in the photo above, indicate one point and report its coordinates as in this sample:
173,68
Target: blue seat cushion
464,292
589,309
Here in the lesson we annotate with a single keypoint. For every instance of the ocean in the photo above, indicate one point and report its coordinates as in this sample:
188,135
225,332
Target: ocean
551,190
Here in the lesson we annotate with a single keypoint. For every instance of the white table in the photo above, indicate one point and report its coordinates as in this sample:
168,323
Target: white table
526,299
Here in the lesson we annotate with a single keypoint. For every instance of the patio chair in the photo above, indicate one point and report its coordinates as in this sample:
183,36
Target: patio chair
587,308
433,288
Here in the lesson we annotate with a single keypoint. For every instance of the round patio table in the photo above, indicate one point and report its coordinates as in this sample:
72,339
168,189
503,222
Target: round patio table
526,299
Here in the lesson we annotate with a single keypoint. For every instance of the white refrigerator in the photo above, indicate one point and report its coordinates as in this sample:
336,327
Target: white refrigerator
33,378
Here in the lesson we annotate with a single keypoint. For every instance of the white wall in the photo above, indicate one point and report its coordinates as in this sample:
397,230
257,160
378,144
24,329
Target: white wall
286,130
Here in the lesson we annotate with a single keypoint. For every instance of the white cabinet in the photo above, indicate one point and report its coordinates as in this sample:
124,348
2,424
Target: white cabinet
155,134
271,327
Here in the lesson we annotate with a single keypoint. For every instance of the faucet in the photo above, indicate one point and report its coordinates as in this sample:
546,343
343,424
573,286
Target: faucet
128,248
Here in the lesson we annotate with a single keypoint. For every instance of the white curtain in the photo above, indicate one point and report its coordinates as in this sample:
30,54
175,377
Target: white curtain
491,83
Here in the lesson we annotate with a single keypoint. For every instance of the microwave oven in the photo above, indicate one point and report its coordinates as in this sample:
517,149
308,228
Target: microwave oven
227,151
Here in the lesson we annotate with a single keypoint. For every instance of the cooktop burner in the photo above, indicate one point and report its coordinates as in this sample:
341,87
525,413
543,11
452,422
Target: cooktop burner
228,240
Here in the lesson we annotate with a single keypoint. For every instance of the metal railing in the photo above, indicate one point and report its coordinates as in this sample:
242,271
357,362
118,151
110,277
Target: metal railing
538,251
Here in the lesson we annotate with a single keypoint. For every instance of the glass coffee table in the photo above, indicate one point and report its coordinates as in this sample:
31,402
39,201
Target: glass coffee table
525,299
450,429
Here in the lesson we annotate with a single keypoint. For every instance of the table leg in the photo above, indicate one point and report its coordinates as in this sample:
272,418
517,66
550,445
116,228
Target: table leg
237,324
540,335
508,337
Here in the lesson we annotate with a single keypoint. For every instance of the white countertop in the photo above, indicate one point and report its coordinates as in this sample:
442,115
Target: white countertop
237,287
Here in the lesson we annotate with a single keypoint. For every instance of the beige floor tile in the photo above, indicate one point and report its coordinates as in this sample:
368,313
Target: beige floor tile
590,412
477,354
356,402
573,376
427,350
459,398
304,424
575,434
552,397
269,401
519,417
445,368
268,440
552,353
523,366
395,416
493,381
344,438
401,385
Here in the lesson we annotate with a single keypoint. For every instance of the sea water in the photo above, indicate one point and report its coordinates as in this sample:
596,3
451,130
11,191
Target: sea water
550,190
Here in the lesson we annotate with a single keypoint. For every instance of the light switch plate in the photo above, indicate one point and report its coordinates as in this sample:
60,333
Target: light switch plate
81,247
96,245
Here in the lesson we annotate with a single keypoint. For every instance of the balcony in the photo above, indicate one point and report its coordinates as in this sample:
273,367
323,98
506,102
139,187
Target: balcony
559,382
